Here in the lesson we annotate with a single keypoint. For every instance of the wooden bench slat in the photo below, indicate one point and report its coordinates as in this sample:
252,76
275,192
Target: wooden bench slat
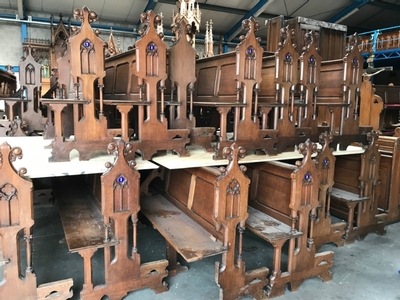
268,227
346,196
187,237
81,219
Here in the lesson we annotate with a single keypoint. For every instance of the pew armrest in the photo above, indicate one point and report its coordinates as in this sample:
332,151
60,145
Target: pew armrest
345,196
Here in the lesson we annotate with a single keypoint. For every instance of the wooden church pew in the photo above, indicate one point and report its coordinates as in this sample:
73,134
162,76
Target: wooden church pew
136,79
325,229
16,218
354,194
338,97
92,226
283,198
198,213
389,187
230,83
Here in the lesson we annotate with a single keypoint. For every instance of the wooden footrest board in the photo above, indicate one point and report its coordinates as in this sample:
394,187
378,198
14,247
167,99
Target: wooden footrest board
187,237
267,227
346,196
81,218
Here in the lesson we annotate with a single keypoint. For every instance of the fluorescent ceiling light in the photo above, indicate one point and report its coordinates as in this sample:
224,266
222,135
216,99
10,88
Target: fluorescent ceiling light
347,15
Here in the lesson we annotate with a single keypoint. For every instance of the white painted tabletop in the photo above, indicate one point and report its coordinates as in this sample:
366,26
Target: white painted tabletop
36,159
200,158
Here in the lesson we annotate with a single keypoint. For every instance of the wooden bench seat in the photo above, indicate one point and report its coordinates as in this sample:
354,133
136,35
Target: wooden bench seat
169,221
81,217
269,228
345,196
354,196
283,198
202,212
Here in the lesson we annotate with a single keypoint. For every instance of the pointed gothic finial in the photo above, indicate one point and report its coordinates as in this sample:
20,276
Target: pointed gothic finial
206,33
210,40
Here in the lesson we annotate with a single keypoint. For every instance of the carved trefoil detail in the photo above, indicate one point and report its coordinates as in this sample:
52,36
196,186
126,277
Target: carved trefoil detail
121,194
233,200
87,57
9,205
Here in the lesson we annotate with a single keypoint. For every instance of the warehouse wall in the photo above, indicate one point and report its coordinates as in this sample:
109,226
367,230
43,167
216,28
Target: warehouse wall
10,50
11,32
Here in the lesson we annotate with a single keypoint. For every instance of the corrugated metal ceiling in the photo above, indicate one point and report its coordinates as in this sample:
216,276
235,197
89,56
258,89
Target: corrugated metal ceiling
224,13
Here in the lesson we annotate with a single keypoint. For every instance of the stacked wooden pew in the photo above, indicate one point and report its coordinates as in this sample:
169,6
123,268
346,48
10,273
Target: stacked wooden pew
338,97
136,79
181,78
86,66
216,87
287,92
24,112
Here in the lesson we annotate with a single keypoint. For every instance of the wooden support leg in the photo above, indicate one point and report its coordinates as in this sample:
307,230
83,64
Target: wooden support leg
276,269
144,187
174,267
350,219
87,269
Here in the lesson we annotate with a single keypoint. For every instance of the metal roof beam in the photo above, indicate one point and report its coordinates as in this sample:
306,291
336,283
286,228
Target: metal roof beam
151,5
20,7
348,11
255,11
225,9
